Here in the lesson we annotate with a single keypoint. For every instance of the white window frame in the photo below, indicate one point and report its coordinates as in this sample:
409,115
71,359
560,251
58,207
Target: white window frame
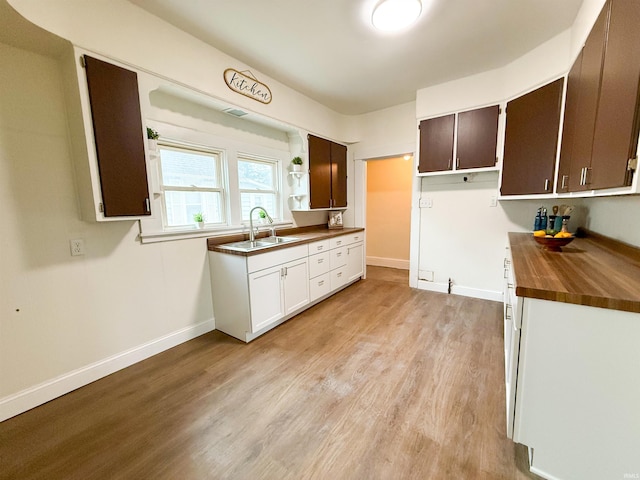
277,187
218,157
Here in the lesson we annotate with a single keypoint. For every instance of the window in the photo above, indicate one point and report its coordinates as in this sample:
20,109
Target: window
191,182
258,182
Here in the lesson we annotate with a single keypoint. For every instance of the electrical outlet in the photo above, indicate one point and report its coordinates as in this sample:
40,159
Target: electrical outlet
77,247
426,202
493,202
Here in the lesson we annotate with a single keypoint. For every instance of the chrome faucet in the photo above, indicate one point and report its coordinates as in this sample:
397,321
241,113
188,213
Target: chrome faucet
252,235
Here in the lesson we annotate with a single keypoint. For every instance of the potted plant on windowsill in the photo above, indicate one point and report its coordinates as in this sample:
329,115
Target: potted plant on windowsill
152,139
199,219
296,164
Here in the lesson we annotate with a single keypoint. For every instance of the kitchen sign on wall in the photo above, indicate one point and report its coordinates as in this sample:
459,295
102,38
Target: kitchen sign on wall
246,84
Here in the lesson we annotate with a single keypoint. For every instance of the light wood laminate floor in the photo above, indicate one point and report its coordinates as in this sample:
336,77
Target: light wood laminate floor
379,382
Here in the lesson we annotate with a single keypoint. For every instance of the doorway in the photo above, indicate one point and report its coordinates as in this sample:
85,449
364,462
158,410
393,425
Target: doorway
389,184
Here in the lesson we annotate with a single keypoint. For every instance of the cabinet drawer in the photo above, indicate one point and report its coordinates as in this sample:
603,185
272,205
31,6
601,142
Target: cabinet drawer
338,257
275,257
319,264
317,247
319,286
338,241
346,239
354,238
338,277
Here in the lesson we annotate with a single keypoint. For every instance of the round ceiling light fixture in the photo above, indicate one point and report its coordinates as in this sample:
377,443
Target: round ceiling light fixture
395,15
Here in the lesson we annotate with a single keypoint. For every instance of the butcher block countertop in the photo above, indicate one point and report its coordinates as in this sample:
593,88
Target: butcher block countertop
594,270
303,235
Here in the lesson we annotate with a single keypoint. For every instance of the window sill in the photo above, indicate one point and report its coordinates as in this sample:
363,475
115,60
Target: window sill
194,232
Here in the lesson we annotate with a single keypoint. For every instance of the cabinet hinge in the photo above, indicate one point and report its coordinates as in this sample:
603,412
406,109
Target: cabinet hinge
632,164
83,64
101,207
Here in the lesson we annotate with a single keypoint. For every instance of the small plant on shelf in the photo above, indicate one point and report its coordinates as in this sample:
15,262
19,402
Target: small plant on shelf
152,134
152,139
297,164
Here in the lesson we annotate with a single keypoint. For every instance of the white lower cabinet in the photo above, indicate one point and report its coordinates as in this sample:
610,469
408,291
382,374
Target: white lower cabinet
355,261
277,291
266,293
577,397
296,286
253,294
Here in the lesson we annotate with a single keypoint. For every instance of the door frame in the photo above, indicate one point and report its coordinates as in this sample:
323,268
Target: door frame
360,196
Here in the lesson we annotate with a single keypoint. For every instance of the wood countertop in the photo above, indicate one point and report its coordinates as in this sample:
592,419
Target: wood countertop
303,234
595,270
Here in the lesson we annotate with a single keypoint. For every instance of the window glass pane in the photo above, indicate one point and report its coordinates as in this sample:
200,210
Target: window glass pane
182,205
188,169
264,200
253,175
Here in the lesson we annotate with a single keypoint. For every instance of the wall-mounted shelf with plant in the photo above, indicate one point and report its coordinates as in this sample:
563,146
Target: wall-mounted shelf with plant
296,164
152,139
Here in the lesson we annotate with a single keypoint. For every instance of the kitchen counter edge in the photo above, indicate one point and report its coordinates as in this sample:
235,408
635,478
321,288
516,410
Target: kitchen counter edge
304,234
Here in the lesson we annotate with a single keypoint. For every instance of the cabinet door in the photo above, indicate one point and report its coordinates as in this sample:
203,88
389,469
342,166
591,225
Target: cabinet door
338,175
119,137
616,129
477,138
569,126
586,109
266,297
436,144
319,172
355,261
531,141
296,285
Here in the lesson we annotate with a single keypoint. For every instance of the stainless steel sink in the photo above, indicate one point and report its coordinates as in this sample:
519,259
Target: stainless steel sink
276,240
248,245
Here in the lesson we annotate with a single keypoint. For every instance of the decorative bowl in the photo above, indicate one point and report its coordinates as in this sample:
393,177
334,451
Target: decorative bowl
553,244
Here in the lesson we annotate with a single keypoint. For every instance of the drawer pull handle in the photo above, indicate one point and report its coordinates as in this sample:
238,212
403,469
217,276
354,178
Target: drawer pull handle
319,247
339,254
320,260
320,283
339,242
339,274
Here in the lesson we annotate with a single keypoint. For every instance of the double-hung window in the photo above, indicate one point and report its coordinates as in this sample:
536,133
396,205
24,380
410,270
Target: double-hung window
258,184
191,182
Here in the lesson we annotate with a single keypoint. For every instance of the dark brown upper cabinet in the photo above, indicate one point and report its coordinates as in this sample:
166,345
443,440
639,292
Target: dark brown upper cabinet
477,138
436,144
119,138
327,174
531,141
474,134
601,123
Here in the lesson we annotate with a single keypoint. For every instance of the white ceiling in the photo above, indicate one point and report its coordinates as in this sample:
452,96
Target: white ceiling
327,50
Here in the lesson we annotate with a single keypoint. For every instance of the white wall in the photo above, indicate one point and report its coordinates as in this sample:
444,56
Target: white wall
616,217
61,314
462,237
124,32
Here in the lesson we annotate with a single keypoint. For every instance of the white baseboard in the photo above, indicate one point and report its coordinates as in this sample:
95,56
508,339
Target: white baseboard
460,290
388,262
37,395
